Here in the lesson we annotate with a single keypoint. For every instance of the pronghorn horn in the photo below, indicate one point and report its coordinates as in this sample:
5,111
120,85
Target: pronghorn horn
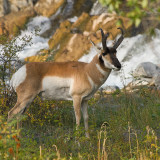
104,38
94,45
119,41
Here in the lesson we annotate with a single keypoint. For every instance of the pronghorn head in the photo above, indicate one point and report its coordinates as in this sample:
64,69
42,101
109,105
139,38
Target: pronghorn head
108,54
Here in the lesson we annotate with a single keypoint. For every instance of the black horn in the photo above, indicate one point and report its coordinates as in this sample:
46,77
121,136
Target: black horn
119,41
104,38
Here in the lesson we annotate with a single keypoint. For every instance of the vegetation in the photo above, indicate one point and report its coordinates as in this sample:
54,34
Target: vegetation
136,10
122,126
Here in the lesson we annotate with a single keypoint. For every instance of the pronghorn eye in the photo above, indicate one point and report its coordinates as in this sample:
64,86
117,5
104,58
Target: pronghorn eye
103,54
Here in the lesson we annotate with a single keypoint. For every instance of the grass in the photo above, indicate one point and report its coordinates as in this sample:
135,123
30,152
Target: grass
122,126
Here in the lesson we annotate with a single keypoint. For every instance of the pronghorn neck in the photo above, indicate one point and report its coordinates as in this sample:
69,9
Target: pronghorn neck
97,71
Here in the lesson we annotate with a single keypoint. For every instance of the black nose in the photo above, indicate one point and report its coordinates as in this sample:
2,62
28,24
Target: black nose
119,66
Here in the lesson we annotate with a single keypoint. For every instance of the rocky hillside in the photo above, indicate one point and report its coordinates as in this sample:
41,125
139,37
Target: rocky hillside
69,37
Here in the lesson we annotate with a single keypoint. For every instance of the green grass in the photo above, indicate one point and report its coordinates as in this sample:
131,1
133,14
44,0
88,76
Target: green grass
122,126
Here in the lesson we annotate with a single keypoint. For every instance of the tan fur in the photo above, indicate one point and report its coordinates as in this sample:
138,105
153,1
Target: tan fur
108,57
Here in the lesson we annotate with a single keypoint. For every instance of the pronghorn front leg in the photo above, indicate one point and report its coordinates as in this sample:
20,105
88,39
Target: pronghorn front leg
85,115
77,100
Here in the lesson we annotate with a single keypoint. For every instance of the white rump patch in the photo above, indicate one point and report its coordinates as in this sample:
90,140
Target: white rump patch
18,77
57,88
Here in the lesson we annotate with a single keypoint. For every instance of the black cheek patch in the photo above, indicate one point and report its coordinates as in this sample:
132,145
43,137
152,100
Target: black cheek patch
101,60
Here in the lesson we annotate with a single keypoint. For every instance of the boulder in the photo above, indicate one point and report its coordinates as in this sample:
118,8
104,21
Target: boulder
88,28
61,33
4,7
156,81
147,70
98,9
17,5
75,47
7,6
137,83
1,8
12,23
146,73
110,89
48,7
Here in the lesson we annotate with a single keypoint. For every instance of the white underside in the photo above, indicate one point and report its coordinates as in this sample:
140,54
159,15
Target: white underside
57,88
18,77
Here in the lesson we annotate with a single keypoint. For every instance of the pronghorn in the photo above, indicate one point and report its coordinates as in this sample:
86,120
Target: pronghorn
76,81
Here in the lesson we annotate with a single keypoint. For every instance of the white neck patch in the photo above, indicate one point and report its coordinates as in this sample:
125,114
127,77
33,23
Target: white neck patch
101,70
91,81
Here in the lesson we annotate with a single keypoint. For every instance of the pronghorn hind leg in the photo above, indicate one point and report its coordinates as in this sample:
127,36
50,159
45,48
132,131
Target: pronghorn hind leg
85,115
20,106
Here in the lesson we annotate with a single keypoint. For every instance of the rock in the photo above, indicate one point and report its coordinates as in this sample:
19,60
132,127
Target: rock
156,81
61,33
17,5
74,48
72,40
147,70
146,73
48,7
4,7
136,83
7,6
12,23
98,9
81,6
81,21
38,57
110,89
1,8
85,24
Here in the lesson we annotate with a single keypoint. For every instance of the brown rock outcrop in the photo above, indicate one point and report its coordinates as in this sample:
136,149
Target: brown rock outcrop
77,44
8,6
1,8
48,7
13,22
71,41
18,5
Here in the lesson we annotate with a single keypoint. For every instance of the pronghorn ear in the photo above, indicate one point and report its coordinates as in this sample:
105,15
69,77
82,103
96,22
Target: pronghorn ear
95,46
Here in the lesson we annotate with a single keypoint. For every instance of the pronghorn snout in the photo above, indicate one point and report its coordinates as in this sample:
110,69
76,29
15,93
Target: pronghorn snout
118,66
115,62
